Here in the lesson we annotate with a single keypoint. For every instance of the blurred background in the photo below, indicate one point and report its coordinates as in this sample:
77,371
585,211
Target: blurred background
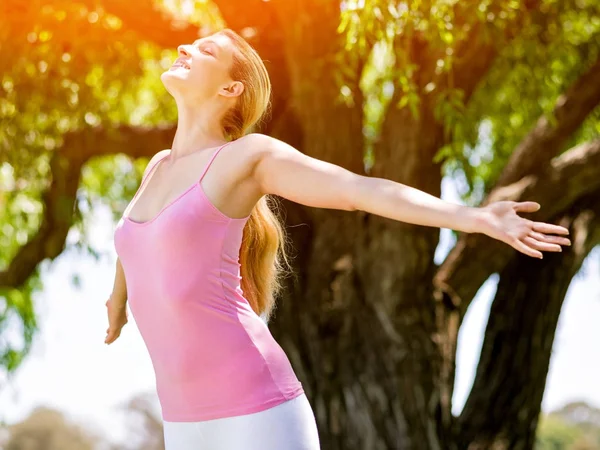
403,336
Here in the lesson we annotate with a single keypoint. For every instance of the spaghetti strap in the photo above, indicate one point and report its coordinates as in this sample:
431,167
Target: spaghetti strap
212,158
145,178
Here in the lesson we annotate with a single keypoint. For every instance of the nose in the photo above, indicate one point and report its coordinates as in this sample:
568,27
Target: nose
183,51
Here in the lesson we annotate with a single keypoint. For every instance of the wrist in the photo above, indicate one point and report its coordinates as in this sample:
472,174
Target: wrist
475,220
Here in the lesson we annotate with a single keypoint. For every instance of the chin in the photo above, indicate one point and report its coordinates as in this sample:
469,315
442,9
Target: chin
172,79
173,74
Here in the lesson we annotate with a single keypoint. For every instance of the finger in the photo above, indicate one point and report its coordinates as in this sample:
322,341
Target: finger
527,206
115,336
111,332
542,246
526,249
552,239
549,228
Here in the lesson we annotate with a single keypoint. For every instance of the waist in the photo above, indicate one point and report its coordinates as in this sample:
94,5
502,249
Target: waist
181,404
214,363
241,380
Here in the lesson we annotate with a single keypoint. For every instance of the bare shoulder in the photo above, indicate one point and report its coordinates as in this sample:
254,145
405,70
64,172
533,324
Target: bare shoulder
157,157
260,145
257,142
262,150
251,148
246,154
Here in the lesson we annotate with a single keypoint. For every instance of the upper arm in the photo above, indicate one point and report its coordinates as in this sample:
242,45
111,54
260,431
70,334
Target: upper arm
283,170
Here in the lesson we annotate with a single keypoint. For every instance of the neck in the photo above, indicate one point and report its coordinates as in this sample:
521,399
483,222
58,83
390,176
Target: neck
197,129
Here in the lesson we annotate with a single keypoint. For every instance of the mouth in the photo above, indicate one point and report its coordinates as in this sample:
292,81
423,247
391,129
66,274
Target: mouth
180,63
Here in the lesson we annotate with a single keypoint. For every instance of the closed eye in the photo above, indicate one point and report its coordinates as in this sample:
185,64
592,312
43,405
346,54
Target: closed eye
207,50
207,46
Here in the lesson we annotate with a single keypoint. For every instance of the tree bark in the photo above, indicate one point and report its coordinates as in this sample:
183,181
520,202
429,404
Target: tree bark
396,267
313,321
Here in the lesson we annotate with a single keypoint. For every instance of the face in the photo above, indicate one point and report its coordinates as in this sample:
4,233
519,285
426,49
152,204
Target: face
201,70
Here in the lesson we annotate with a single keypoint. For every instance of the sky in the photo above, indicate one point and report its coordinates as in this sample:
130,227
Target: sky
71,369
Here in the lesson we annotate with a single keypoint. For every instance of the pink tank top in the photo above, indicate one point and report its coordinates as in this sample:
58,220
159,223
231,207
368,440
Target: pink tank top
212,355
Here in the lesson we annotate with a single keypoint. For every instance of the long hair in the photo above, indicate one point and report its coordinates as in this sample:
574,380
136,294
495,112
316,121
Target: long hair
263,254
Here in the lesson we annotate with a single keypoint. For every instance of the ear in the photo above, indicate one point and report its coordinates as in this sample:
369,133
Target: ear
232,89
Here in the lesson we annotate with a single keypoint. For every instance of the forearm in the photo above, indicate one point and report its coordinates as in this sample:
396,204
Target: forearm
119,292
400,202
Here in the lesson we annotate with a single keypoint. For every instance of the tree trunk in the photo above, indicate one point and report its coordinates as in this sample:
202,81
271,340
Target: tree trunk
503,407
319,321
359,327
354,326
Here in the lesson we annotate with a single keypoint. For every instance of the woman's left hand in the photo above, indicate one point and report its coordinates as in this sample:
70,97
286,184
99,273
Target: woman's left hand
500,220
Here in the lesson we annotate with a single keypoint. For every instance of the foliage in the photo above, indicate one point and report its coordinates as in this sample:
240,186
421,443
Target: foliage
555,44
49,429
64,68
525,83
573,427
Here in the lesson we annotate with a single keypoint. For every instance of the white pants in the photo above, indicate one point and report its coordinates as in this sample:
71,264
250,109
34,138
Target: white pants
290,425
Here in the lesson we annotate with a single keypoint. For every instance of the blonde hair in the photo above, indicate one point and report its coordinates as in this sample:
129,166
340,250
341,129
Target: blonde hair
263,255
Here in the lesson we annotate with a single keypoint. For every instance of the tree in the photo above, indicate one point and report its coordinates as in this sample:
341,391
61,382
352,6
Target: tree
502,95
146,428
576,426
48,429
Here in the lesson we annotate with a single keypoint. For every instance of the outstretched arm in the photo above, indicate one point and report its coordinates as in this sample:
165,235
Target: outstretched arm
283,170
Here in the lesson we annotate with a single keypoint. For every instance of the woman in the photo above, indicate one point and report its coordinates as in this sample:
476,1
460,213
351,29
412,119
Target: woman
201,252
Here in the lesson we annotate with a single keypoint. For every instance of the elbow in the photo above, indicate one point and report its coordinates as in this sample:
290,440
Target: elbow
352,194
350,205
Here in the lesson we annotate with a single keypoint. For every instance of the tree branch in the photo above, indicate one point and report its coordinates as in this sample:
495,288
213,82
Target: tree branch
572,175
547,139
59,199
469,264
478,51
57,218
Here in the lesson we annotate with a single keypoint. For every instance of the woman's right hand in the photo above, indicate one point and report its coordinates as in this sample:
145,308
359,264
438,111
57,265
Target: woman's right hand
117,318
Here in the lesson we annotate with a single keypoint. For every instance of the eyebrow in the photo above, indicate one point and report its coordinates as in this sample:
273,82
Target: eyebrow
198,41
